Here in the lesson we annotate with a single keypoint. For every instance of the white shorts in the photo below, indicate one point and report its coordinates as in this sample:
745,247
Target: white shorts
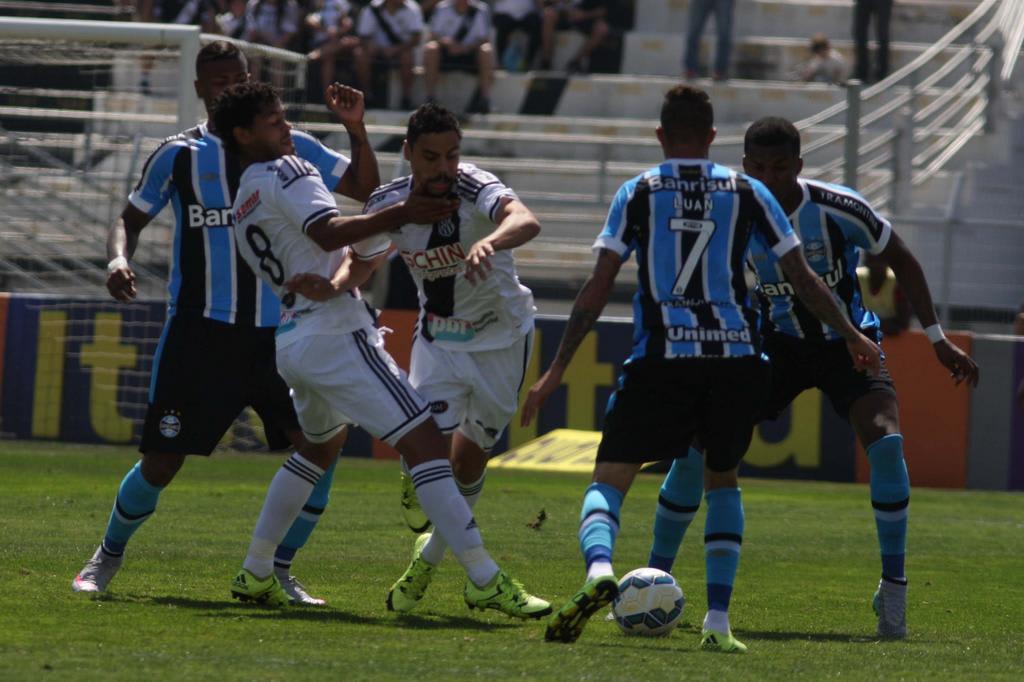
476,392
349,379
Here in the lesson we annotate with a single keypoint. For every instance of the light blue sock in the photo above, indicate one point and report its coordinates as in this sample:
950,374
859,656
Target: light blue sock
678,503
599,522
306,521
890,498
723,535
136,501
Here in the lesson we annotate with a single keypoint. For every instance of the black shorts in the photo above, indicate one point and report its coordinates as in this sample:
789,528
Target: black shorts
661,405
798,364
204,374
459,62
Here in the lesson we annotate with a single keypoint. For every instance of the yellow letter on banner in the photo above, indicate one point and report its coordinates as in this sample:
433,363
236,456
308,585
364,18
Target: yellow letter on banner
49,389
582,378
802,444
517,435
106,355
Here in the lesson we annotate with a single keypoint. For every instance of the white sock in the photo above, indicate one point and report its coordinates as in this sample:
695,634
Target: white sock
434,550
288,492
598,569
717,620
452,518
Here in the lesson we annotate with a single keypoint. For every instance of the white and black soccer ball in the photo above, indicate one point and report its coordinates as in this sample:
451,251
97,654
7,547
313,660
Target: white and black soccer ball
650,603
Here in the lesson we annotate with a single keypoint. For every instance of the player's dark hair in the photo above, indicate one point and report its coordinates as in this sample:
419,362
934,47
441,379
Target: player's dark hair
772,131
219,50
687,114
431,118
238,106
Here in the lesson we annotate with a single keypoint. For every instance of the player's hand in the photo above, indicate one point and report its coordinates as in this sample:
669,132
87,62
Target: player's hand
311,286
538,395
121,284
961,366
478,262
425,210
866,354
346,103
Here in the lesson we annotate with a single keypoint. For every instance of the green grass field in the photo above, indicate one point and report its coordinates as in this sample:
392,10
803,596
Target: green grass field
802,599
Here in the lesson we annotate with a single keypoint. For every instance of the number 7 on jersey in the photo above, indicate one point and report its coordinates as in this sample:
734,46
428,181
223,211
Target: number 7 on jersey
702,231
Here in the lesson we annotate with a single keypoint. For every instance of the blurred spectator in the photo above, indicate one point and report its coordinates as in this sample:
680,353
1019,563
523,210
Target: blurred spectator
331,36
427,7
186,12
700,10
863,10
589,17
231,23
882,295
516,15
461,31
1018,322
272,22
825,65
389,31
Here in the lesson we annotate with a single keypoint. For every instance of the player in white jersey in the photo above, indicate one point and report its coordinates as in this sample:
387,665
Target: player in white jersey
474,336
328,348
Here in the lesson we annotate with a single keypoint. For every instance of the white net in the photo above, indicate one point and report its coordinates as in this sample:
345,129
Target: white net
78,118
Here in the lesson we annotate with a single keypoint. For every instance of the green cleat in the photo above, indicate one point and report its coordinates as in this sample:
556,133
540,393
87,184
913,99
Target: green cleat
506,595
567,625
268,592
723,642
412,512
405,594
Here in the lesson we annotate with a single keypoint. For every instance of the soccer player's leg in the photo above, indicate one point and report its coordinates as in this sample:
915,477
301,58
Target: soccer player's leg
482,404
432,374
599,527
678,502
323,427
383,402
189,370
726,426
874,414
273,403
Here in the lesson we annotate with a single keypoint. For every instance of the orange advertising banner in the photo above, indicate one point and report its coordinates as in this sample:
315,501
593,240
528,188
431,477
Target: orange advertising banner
934,413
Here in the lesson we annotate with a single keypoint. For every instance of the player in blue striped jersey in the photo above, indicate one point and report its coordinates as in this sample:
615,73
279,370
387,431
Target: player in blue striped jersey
835,225
696,368
216,353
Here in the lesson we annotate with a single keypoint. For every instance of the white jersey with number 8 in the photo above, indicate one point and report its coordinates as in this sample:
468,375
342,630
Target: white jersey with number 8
276,203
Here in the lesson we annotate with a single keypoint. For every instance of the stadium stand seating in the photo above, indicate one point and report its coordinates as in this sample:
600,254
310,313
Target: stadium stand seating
565,143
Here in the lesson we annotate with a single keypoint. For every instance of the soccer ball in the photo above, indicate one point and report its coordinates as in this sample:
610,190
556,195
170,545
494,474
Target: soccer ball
650,603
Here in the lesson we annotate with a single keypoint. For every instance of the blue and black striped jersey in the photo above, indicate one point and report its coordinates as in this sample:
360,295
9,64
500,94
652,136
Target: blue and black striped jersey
691,222
192,172
834,223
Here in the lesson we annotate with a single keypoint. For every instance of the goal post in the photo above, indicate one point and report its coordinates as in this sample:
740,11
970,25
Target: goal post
185,39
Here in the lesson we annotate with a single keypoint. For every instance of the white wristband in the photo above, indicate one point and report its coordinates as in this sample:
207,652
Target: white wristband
119,262
934,333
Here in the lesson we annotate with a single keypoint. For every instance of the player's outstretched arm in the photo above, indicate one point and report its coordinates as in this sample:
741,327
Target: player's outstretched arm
363,174
912,280
819,300
351,274
586,310
516,225
122,239
332,233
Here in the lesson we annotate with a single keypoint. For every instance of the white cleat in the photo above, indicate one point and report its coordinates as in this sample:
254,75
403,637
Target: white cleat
297,593
890,603
97,572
